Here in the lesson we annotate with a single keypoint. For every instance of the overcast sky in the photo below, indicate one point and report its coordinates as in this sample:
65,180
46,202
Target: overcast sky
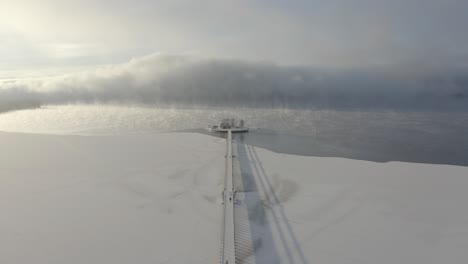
325,33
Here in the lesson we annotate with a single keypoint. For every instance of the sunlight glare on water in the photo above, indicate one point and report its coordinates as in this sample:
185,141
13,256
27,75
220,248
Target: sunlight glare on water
371,135
118,119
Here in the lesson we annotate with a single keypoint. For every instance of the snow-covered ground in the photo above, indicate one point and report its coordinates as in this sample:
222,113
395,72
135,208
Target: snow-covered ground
145,199
333,210
156,199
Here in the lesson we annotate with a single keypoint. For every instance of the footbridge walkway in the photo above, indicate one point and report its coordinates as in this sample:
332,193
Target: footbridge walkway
228,249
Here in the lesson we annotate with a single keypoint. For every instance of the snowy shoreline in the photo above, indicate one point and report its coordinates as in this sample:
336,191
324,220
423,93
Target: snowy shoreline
156,198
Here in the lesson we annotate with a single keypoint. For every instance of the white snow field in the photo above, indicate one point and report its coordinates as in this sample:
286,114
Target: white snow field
145,199
157,199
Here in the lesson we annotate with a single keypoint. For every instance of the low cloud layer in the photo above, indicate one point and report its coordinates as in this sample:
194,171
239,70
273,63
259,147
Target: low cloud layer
334,33
163,80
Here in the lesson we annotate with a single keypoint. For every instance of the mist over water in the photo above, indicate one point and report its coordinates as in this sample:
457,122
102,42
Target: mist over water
381,114
184,81
426,137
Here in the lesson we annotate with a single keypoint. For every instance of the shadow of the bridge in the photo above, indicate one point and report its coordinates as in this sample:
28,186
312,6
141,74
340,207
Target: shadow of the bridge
263,233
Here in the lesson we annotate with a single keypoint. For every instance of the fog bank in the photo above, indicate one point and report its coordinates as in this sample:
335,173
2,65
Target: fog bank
182,80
